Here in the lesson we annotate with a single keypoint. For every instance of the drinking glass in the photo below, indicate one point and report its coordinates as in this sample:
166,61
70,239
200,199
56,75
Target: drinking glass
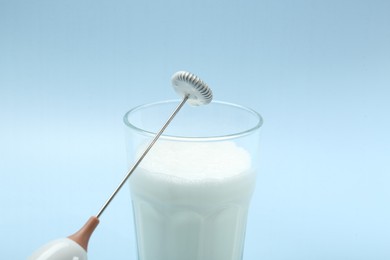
191,193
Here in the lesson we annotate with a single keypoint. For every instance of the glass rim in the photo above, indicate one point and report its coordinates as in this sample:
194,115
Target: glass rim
235,135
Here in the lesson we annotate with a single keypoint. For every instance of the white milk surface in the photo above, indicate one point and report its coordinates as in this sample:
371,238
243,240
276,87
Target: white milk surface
190,201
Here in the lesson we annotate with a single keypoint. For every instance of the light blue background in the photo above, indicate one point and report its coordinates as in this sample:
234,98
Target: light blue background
318,72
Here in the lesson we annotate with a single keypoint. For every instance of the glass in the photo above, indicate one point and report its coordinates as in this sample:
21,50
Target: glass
192,191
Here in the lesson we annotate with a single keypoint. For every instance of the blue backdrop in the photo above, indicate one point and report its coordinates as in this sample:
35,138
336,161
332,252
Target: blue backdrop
317,71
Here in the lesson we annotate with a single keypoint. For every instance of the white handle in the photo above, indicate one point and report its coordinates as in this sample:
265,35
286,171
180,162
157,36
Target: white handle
60,249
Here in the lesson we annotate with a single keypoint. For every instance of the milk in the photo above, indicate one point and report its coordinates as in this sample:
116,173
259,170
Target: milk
190,201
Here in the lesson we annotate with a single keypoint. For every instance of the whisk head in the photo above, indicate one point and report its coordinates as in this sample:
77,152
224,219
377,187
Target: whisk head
186,83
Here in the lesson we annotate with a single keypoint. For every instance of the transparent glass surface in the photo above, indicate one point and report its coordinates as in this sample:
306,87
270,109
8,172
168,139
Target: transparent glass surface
192,192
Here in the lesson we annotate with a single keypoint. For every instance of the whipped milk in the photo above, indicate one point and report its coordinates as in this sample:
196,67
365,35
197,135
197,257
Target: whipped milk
191,199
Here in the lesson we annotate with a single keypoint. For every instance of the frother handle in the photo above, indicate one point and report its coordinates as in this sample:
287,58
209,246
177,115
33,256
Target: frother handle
70,248
60,249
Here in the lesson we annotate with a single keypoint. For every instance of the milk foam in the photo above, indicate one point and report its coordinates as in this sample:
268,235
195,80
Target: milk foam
196,161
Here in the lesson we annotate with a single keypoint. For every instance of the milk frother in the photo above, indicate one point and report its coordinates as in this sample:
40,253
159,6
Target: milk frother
194,91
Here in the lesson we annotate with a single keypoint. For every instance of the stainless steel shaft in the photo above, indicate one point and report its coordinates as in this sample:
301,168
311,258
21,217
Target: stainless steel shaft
131,170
